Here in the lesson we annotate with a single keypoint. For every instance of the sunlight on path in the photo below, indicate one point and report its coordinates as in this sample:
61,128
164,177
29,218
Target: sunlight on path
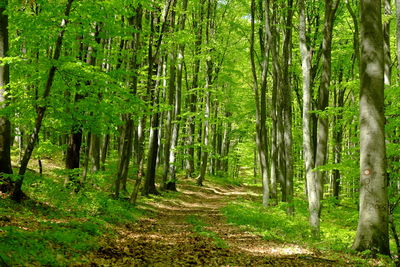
189,230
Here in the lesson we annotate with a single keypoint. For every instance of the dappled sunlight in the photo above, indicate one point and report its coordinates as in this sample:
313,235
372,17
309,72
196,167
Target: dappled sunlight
269,249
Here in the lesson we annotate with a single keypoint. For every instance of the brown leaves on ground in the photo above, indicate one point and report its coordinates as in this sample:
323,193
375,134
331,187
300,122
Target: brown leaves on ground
168,239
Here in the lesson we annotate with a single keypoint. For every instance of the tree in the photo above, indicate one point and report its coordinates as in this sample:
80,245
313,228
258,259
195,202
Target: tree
314,204
5,127
41,110
372,230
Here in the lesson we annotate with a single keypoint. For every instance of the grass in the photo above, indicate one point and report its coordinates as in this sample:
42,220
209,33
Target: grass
338,226
57,226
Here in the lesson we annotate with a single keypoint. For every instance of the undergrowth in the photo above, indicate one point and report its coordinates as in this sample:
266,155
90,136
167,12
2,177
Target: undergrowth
56,226
338,225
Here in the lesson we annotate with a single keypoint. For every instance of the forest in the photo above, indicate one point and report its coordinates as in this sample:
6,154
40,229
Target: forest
199,132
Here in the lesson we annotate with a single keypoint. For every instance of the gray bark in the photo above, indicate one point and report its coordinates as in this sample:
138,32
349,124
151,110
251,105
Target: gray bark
386,43
260,103
177,107
314,204
323,123
372,231
170,112
209,75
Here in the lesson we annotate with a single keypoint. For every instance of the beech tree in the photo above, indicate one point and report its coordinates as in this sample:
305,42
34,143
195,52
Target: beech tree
372,230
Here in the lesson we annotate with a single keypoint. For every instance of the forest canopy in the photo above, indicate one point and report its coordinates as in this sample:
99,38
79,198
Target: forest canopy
133,99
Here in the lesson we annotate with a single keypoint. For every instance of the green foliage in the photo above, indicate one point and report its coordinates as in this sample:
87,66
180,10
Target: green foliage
59,226
338,225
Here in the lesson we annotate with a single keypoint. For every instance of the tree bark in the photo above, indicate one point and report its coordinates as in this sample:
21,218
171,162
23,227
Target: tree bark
209,73
314,204
323,98
260,102
287,109
386,43
372,231
170,111
5,127
104,151
171,183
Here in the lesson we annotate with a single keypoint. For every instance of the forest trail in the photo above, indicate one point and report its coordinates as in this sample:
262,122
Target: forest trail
189,230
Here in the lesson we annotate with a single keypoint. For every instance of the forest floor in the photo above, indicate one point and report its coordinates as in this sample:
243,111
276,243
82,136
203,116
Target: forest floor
189,229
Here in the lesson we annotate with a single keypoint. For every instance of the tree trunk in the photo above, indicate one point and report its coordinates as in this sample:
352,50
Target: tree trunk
337,139
5,127
104,151
372,231
40,112
323,98
260,102
287,110
386,43
171,184
226,143
170,111
314,204
95,152
209,73
149,186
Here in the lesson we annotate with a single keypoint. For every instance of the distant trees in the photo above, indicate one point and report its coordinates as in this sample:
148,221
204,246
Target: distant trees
150,91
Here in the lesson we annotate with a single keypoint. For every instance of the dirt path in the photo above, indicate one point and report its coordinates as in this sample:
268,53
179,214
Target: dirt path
190,230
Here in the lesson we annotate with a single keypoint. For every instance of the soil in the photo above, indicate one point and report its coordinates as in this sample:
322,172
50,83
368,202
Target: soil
168,237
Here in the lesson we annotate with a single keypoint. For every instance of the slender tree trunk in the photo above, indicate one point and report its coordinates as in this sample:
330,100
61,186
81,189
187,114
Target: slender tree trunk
139,133
87,156
386,43
5,127
208,85
17,192
104,151
149,186
314,204
260,108
372,231
170,112
323,123
226,143
337,140
287,109
192,93
171,185
95,152
153,92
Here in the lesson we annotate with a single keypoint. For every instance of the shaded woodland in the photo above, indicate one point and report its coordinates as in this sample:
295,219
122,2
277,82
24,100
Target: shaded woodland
109,104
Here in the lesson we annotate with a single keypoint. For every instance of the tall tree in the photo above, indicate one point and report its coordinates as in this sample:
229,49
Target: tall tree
314,204
5,127
41,110
153,92
210,28
260,99
372,231
323,123
171,183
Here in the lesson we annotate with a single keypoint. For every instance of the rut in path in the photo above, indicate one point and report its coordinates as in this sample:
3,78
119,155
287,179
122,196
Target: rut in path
168,237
